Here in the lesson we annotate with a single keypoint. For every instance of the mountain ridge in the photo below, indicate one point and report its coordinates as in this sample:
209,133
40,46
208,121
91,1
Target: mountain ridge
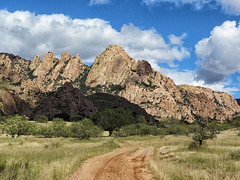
115,72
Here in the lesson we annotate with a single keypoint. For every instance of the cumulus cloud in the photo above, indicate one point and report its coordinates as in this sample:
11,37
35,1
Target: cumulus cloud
219,53
228,6
27,34
98,2
189,77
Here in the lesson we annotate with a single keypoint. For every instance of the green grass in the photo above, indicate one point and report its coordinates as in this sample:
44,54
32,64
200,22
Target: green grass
39,158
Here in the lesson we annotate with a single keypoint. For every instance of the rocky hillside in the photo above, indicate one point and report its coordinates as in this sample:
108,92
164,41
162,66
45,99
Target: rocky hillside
67,103
155,92
115,72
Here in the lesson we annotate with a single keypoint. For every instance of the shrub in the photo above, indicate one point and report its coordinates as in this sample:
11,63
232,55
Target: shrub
85,129
44,130
145,129
41,119
136,129
59,127
174,126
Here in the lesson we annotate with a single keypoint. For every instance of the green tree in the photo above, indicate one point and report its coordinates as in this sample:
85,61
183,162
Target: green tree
17,125
44,130
85,129
59,127
110,119
201,131
236,124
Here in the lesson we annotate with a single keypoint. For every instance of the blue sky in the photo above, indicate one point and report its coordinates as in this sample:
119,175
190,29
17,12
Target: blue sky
194,42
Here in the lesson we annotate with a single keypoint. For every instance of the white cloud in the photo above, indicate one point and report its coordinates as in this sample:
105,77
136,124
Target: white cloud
219,53
177,40
27,34
189,77
197,4
228,6
98,2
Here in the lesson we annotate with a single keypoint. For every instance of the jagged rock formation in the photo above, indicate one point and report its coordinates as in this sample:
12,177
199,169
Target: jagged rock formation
115,72
32,78
67,102
155,92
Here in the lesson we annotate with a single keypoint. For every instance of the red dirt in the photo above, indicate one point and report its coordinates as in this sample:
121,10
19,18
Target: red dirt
121,164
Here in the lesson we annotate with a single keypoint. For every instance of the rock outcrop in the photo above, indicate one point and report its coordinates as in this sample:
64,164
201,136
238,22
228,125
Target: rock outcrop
114,72
155,92
12,104
67,102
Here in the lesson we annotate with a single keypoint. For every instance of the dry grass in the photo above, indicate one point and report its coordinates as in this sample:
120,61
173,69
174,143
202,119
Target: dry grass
172,160
39,158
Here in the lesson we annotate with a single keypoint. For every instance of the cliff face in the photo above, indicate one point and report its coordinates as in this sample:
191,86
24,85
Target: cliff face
155,92
115,72
33,78
12,104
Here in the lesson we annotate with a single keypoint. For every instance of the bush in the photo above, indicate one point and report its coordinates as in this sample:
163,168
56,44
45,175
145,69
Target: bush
173,126
136,129
85,129
41,119
145,129
59,128
44,130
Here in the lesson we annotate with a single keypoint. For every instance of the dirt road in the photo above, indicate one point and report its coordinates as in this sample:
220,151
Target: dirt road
121,164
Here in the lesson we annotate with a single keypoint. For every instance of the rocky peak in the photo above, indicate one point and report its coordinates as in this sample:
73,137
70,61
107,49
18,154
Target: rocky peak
110,67
144,68
45,65
114,72
74,67
35,62
66,56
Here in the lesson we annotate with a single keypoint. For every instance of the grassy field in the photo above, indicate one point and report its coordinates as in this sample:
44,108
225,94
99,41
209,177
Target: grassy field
57,158
219,158
40,158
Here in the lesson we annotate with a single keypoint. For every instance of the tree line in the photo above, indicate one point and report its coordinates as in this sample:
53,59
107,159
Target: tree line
119,122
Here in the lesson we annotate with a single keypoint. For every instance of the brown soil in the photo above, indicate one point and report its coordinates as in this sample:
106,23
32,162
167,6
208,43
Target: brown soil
121,164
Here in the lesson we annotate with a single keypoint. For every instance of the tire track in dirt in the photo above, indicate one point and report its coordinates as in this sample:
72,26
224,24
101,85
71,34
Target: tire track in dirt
121,164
